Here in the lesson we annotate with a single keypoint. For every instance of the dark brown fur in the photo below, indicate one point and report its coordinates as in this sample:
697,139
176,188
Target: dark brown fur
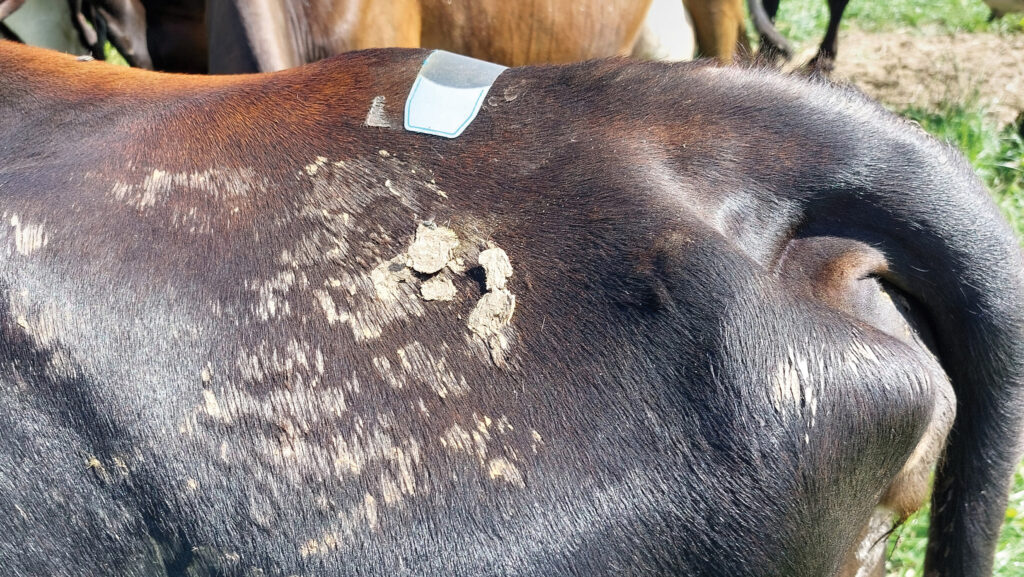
719,362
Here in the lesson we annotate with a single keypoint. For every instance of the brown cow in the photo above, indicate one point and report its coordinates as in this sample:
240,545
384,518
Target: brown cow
251,326
721,29
266,35
250,37
274,35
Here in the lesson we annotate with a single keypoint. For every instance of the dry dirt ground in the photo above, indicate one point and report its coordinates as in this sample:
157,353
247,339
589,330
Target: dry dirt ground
909,68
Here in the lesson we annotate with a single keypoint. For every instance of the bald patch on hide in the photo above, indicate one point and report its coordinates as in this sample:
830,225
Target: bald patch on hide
28,238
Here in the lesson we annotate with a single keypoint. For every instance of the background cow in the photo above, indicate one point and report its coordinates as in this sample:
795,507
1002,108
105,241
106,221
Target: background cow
774,46
1001,8
251,37
174,35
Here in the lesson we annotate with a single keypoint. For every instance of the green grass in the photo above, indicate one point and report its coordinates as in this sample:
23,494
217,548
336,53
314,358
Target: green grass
997,155
113,56
907,545
804,21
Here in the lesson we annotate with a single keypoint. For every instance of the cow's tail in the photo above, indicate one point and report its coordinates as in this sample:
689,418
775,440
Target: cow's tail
773,44
953,252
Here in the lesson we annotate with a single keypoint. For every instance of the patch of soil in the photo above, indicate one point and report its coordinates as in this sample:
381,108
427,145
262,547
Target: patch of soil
907,68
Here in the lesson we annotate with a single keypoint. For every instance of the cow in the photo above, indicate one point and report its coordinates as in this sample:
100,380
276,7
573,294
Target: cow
1000,8
173,36
121,22
774,46
269,36
721,29
250,325
167,35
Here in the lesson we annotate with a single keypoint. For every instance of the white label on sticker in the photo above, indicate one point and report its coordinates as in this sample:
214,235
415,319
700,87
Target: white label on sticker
448,93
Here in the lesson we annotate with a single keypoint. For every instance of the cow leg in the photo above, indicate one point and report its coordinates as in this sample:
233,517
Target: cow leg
230,47
8,34
92,29
9,6
844,273
824,61
176,35
909,489
255,36
774,46
126,28
720,27
6,8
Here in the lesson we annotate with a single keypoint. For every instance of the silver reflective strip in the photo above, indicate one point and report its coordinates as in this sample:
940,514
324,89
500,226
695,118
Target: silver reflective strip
448,93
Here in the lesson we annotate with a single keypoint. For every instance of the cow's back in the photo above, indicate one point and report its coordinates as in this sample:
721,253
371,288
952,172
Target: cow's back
251,324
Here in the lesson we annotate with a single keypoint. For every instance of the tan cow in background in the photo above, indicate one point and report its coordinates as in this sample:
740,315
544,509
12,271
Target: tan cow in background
272,35
262,35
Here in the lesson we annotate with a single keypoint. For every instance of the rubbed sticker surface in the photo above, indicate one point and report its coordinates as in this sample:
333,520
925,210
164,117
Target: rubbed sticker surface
448,93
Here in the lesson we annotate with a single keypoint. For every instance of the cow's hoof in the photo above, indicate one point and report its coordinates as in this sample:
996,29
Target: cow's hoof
772,56
821,66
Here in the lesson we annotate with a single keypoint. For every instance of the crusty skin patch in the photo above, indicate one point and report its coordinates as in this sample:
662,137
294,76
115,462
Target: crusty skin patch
496,266
430,252
438,288
432,248
387,276
493,312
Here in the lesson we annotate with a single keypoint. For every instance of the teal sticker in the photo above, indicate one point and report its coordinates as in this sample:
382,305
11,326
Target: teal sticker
448,93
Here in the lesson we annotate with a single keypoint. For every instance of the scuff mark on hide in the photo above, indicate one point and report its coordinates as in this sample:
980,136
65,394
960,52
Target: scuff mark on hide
28,238
502,468
228,187
433,369
793,389
44,323
474,443
314,167
377,115
350,522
